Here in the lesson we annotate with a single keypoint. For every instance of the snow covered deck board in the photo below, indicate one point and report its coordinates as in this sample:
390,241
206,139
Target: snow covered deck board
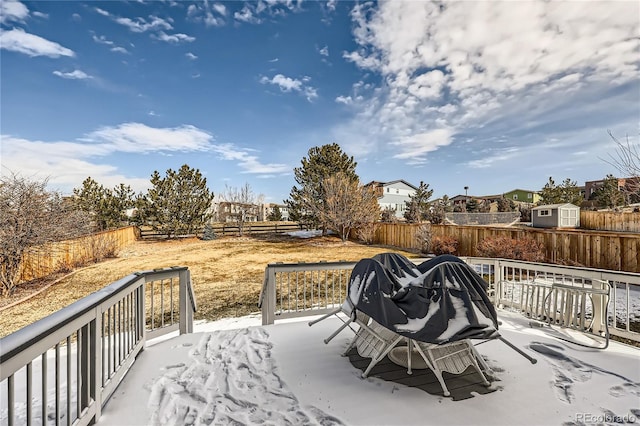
285,373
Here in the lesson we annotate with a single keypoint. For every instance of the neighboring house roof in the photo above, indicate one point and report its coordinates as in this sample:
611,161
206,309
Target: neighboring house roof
523,190
378,183
554,206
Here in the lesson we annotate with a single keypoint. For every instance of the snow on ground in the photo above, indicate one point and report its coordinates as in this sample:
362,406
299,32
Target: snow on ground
305,234
284,374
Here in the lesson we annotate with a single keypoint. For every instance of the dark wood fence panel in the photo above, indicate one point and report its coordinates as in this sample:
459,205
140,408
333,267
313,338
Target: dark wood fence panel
610,221
607,250
229,229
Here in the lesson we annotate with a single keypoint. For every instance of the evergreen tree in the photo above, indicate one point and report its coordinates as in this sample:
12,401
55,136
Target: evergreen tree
179,203
106,207
567,192
276,214
208,233
418,205
608,194
505,205
472,205
308,199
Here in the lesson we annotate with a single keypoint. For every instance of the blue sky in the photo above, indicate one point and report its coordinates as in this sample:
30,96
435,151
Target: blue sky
491,95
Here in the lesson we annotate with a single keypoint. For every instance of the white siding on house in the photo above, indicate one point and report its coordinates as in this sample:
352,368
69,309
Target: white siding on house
395,195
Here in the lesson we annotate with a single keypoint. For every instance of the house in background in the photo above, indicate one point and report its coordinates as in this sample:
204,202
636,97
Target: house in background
555,216
523,196
394,194
267,210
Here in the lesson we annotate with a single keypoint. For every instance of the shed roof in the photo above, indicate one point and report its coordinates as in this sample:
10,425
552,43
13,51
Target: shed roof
555,206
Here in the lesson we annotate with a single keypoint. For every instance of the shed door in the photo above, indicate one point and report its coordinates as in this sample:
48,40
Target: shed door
568,217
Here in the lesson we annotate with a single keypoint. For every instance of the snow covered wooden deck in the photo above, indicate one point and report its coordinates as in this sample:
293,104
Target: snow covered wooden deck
241,372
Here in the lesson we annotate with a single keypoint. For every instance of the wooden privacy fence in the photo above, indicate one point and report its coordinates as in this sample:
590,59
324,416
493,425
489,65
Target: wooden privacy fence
613,251
610,221
44,260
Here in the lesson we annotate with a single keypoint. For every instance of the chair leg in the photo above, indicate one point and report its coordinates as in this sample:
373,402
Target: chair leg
377,359
335,333
443,385
324,317
477,367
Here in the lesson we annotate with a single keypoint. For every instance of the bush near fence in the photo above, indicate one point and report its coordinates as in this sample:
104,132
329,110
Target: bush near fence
605,250
43,261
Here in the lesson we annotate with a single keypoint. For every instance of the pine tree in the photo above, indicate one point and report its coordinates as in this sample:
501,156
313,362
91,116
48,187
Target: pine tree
418,205
608,194
566,192
179,203
472,205
276,214
106,207
308,199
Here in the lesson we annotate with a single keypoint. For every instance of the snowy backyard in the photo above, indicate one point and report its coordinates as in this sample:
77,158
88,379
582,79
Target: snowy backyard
236,371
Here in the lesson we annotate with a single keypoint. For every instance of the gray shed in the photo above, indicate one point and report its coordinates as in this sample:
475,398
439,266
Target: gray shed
556,216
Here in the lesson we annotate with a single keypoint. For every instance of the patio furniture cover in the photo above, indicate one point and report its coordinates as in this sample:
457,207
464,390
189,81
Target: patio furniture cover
438,301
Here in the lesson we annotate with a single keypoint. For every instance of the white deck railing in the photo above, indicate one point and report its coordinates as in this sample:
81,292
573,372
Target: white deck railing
63,368
571,297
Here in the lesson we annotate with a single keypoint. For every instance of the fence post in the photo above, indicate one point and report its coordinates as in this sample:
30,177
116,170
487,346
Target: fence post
269,303
599,305
96,362
186,313
497,279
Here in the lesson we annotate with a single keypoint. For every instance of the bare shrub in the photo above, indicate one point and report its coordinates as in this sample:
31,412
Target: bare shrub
444,245
99,247
366,232
525,249
424,236
30,216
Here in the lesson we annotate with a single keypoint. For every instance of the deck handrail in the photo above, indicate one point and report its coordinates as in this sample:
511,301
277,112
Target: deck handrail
298,289
93,342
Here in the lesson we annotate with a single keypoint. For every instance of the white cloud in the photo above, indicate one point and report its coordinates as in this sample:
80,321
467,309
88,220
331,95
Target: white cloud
68,163
174,38
76,17
40,15
347,100
331,5
102,40
137,137
191,56
249,162
18,40
324,51
211,15
102,12
246,15
220,8
462,66
119,49
415,146
73,75
141,25
13,11
494,157
288,84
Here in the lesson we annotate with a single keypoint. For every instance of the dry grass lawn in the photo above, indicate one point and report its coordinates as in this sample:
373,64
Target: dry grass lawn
227,273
